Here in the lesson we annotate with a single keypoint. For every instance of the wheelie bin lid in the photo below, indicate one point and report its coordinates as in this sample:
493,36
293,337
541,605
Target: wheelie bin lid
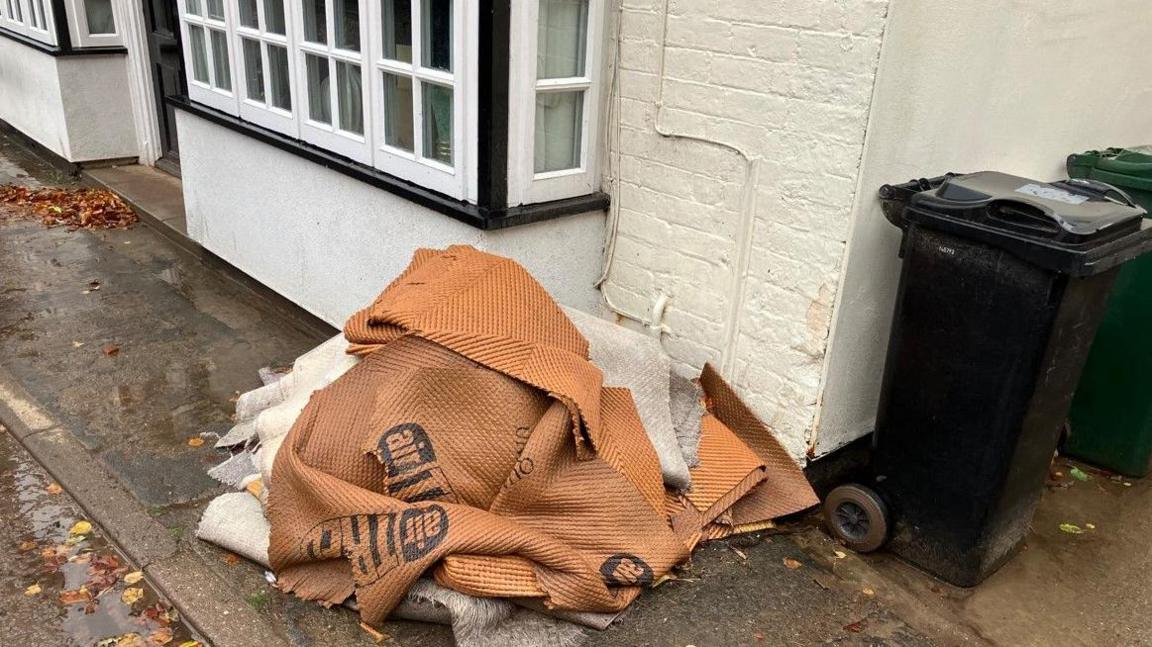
1078,227
1129,167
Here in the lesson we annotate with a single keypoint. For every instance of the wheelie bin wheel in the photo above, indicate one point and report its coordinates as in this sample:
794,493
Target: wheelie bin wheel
857,516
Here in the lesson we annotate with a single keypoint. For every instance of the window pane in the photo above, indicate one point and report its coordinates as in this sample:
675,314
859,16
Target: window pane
348,24
199,54
193,7
215,9
398,111
319,101
559,117
436,40
99,15
397,19
437,122
349,97
274,16
281,88
315,21
221,71
248,16
561,35
253,69
41,17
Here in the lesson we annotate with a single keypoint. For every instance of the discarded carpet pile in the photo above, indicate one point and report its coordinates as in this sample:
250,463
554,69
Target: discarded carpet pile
475,442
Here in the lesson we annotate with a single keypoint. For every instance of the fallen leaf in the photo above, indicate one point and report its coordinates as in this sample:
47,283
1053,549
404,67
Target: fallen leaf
839,554
104,572
131,595
195,441
739,552
231,559
54,488
125,640
75,596
868,593
1079,474
80,528
133,577
792,563
377,637
33,590
856,627
1071,529
667,577
161,636
1090,526
160,614
77,344
111,350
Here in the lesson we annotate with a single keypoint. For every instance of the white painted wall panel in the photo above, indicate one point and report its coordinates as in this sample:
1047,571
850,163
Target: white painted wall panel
30,96
967,86
331,243
77,107
97,107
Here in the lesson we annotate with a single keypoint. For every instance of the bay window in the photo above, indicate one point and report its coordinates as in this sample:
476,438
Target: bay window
395,86
93,23
29,18
86,24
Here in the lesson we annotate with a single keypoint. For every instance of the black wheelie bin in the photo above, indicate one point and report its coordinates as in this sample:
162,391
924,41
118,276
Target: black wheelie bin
1003,283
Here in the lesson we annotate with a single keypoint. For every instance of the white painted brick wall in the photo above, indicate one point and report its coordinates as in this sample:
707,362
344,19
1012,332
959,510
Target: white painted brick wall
782,88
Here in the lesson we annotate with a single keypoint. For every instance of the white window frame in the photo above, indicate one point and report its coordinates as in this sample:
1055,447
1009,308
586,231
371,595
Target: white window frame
78,27
455,180
264,113
525,186
207,93
24,26
329,136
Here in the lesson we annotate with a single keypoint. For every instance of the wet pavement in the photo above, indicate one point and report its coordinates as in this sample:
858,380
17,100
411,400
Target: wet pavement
61,583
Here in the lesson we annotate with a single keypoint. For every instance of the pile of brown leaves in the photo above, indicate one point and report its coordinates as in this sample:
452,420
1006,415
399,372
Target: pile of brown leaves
74,207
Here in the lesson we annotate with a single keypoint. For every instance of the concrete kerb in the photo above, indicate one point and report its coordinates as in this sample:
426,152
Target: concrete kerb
205,601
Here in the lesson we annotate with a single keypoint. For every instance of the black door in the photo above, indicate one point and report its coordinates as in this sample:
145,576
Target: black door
167,63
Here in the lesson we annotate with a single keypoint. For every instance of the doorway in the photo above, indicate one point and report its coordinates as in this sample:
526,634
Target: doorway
165,56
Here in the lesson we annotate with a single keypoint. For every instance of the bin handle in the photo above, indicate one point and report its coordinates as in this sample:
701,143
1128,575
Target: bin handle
1023,217
1103,189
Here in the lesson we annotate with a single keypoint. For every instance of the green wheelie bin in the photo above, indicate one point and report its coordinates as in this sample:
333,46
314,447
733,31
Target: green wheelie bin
1111,415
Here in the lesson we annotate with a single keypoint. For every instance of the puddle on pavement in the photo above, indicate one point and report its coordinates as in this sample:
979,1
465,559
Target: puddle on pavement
60,580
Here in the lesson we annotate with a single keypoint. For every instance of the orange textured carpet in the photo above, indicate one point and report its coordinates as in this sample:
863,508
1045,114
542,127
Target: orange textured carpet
475,439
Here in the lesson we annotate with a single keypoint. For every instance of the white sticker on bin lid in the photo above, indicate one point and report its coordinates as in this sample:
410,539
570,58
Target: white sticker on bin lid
1050,192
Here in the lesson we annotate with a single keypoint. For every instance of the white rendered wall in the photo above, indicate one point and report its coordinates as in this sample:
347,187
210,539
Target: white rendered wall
735,138
97,107
331,243
30,96
968,86
75,106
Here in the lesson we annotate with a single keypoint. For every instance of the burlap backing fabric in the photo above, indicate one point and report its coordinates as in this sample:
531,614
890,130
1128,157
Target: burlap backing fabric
476,439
